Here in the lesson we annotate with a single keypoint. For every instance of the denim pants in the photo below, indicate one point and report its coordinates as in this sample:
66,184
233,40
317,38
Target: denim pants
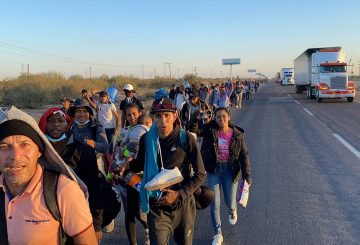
221,179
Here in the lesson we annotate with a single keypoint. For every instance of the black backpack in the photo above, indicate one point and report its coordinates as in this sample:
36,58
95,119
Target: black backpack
111,206
50,179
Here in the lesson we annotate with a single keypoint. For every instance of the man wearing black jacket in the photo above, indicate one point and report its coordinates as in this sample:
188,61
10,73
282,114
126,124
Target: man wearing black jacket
80,157
174,212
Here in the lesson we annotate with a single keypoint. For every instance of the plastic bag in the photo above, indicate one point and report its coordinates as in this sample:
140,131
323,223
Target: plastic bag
243,194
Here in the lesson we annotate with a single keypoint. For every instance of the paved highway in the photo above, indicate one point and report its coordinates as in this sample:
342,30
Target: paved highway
306,173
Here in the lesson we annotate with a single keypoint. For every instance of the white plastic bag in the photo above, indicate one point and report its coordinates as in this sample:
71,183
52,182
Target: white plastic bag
243,194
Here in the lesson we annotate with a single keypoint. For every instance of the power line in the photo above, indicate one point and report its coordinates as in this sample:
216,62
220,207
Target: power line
53,56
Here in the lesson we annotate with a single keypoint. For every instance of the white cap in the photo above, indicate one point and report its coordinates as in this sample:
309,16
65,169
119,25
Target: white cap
128,87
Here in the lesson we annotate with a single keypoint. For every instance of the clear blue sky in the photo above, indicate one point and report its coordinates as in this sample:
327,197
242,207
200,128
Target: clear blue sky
118,37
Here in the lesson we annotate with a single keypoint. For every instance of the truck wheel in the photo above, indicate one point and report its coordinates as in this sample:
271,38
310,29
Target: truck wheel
313,96
318,99
350,99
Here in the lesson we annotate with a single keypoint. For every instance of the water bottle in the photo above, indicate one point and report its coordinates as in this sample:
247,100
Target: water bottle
133,180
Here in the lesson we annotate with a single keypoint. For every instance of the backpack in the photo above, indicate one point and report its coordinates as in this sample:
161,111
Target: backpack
203,195
50,180
3,225
111,204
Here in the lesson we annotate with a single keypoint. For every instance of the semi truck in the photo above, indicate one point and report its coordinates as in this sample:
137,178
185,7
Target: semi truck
287,76
322,73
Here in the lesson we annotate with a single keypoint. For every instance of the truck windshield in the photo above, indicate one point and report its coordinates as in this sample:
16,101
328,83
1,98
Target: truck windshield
332,69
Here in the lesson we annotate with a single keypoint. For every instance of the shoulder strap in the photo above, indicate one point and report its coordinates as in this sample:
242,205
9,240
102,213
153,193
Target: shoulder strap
50,180
3,225
183,139
184,146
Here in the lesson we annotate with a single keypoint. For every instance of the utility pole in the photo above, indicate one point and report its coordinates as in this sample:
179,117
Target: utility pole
90,72
169,69
28,69
167,63
142,68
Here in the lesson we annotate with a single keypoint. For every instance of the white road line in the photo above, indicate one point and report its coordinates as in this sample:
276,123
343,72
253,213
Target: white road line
347,145
308,112
297,102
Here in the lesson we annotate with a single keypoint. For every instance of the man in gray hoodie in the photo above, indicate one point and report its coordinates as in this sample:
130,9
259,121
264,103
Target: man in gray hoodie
25,156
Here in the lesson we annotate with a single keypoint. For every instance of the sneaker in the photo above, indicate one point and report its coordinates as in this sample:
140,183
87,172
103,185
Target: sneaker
232,217
147,237
110,227
217,239
164,179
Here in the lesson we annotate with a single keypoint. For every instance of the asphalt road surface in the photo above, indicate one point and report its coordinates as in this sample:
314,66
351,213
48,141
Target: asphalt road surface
306,173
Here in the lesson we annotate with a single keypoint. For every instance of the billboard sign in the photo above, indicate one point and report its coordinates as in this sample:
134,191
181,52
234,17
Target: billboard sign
234,61
251,70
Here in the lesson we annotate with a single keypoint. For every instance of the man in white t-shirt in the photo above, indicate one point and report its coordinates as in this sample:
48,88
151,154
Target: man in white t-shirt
108,116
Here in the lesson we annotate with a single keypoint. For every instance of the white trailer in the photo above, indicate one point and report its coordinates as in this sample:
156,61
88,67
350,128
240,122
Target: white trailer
322,72
287,76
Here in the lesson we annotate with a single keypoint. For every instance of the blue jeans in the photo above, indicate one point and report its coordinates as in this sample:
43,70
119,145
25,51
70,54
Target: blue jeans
221,178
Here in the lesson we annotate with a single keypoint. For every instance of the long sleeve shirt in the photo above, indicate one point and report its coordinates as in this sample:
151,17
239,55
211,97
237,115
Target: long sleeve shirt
173,155
222,100
97,134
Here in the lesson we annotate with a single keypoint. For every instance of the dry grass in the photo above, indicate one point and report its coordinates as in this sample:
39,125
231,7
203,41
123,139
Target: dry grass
36,91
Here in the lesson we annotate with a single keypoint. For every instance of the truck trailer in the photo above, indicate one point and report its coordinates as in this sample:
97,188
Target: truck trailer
322,73
287,76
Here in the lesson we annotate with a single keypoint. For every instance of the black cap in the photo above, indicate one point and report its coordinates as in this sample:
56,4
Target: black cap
18,127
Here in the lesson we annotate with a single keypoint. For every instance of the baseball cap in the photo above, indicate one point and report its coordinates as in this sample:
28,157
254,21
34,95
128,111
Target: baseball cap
162,105
129,87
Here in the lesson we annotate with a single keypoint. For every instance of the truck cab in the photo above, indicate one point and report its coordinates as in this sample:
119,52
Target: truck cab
329,77
287,76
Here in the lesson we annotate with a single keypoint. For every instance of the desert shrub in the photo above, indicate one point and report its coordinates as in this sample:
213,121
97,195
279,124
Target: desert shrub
27,96
37,90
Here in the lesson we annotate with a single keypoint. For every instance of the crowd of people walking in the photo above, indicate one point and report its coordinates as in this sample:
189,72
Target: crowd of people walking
153,162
